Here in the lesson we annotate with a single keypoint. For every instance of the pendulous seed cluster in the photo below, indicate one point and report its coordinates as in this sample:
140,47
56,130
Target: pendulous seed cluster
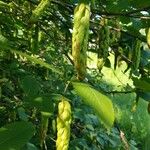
136,55
63,125
103,43
80,38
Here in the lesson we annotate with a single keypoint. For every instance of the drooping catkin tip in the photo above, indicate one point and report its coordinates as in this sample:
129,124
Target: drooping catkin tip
80,38
63,125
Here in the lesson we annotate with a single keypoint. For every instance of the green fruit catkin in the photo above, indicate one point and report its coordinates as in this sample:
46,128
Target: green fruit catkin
115,34
103,44
148,37
38,11
63,125
44,127
136,55
80,38
35,39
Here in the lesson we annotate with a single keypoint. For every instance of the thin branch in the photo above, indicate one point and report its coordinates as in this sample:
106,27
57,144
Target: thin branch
143,17
138,10
67,6
139,36
124,141
71,61
117,77
125,14
120,92
131,13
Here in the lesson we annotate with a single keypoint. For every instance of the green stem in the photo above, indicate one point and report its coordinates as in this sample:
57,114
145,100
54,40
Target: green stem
44,127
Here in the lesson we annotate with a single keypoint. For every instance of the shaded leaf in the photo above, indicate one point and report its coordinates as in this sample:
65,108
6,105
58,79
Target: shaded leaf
15,135
29,146
145,95
30,85
101,104
42,102
22,114
107,63
3,43
143,84
138,4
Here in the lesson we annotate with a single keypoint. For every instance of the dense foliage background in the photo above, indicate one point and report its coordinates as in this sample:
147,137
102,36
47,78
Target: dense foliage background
36,67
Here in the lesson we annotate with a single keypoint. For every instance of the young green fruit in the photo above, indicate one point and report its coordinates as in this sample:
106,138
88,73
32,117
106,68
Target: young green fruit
63,125
80,38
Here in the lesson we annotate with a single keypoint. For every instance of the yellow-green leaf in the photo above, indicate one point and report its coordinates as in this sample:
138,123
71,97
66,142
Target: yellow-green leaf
100,103
38,61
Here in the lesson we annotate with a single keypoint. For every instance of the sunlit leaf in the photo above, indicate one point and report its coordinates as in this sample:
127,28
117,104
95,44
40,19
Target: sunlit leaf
101,104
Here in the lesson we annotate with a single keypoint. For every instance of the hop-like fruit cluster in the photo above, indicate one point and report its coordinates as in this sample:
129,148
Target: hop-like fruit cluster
115,34
80,38
148,37
136,55
103,44
38,11
44,126
63,125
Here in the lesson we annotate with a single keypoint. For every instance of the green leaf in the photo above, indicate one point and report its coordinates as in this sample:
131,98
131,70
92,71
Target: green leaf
38,61
4,5
101,104
143,84
22,114
132,30
30,85
3,43
42,102
15,135
145,96
138,4
29,146
117,6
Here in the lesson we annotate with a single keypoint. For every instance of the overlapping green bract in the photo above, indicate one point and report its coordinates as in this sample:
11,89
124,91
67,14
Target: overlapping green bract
38,11
63,125
44,126
100,103
103,43
136,57
4,43
80,38
148,37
